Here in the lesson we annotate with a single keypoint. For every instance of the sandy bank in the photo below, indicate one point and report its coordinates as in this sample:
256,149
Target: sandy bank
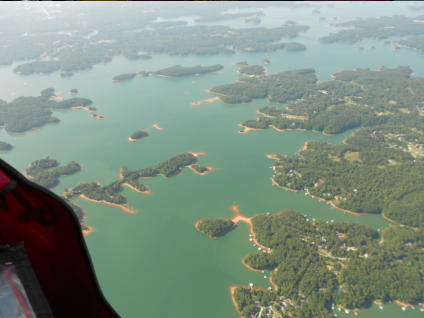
305,146
201,173
124,207
156,126
207,100
333,205
238,217
97,116
88,230
263,114
233,289
243,261
197,154
135,189
247,129
272,156
86,108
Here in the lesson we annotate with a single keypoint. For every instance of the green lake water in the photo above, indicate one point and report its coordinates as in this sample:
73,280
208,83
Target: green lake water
155,264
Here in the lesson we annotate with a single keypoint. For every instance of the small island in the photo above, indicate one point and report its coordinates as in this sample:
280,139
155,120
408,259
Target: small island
97,116
5,147
242,63
180,71
266,61
252,70
66,74
139,134
124,77
215,228
46,172
200,170
74,91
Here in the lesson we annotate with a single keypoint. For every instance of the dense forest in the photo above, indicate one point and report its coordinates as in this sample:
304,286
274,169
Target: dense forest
380,168
318,266
180,71
214,228
279,88
376,28
25,113
252,70
46,172
111,193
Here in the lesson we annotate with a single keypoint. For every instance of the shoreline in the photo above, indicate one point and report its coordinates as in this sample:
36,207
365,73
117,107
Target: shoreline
207,100
249,267
264,115
233,289
197,154
97,116
201,173
333,205
247,129
136,190
88,231
86,108
126,209
330,202
135,140
27,132
156,126
238,217
400,224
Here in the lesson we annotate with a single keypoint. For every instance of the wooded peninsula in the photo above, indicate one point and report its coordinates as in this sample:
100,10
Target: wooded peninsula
316,267
380,168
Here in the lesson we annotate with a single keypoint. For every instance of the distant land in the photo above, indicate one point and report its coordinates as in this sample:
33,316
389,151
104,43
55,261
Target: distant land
376,28
69,55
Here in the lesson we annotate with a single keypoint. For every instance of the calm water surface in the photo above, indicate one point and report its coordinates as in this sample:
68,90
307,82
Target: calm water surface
156,264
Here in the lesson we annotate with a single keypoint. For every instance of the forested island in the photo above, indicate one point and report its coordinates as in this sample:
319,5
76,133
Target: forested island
26,113
215,228
380,168
111,194
252,70
68,55
74,91
139,134
124,77
376,28
5,147
46,172
317,267
180,71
